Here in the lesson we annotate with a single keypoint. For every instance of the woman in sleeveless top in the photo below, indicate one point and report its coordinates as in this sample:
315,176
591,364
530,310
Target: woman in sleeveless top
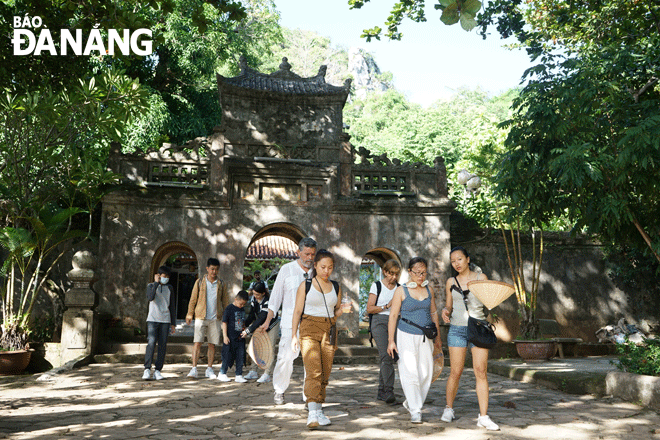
456,314
316,311
416,303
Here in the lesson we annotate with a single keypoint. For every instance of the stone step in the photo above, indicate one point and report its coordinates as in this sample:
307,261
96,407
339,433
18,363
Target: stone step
182,353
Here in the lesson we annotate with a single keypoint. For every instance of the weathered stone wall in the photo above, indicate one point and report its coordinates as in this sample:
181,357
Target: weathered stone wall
135,226
575,288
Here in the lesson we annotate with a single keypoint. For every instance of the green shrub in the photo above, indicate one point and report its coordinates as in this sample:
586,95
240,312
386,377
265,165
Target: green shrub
640,359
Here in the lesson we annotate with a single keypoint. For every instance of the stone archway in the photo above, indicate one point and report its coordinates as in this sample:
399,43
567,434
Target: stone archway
286,230
381,254
275,241
183,274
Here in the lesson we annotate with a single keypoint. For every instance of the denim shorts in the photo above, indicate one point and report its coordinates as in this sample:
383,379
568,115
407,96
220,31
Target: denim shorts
457,336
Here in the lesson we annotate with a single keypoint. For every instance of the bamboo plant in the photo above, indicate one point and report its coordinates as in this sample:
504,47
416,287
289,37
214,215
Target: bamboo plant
527,298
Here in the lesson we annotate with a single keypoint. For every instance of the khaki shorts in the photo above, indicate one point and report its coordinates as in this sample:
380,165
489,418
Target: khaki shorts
209,328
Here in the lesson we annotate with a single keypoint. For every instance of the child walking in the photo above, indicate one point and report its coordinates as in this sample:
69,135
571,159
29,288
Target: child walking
233,349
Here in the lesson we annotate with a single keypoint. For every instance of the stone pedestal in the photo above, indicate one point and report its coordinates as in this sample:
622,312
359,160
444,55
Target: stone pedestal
79,323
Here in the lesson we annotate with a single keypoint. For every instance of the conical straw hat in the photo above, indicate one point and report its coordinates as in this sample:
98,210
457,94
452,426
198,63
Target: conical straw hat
491,293
260,349
438,362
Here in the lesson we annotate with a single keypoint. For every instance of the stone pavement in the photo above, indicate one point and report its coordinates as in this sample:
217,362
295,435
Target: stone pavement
110,401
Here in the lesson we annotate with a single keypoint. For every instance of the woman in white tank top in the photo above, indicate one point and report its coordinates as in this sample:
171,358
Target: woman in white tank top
316,312
456,314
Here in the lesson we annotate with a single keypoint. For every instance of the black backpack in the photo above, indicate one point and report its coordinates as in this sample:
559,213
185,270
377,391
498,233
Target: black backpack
379,286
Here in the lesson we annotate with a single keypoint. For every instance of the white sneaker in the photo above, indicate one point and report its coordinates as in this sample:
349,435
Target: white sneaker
416,417
240,379
252,375
146,375
448,415
209,373
264,378
486,422
322,418
312,420
223,378
279,399
193,372
158,376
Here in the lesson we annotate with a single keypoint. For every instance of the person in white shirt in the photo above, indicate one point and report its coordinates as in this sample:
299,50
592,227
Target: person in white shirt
378,307
289,278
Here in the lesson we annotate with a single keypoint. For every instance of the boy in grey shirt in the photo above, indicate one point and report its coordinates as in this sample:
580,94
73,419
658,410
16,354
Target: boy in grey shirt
160,322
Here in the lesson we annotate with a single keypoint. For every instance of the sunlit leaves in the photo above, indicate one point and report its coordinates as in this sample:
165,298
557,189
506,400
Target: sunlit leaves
453,11
588,122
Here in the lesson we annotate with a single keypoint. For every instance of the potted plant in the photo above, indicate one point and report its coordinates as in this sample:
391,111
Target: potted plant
31,253
528,343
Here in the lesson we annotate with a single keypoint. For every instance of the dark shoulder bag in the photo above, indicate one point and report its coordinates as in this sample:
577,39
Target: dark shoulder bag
480,332
430,331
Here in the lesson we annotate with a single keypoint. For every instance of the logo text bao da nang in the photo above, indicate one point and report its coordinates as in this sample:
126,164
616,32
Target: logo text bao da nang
29,39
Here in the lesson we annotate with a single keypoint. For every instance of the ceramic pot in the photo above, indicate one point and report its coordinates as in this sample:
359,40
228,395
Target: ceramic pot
14,362
536,350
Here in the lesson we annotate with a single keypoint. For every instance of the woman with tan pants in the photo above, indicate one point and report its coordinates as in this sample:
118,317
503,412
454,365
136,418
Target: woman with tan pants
316,312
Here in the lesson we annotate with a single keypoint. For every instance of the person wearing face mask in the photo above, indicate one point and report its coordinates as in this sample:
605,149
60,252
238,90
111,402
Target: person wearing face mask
288,279
161,321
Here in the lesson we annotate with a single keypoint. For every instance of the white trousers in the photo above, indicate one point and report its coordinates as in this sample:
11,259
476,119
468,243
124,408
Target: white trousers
285,357
415,368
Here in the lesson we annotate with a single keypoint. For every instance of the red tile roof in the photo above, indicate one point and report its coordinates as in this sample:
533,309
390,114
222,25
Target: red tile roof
272,246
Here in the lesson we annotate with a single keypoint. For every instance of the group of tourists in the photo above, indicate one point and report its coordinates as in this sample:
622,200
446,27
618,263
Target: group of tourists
404,322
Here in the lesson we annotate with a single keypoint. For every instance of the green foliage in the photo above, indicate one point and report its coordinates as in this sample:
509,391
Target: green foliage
306,51
367,277
633,268
640,359
268,268
585,138
464,130
32,72
52,158
453,11
183,101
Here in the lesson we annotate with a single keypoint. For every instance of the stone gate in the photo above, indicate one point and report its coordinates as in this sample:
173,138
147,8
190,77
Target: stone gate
279,163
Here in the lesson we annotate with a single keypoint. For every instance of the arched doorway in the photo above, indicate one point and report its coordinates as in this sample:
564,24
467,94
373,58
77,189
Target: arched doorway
182,261
270,248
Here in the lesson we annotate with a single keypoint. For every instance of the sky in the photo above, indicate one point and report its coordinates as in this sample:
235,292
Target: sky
429,62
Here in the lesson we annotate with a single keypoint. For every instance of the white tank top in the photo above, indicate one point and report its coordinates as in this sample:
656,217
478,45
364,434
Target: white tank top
314,305
459,315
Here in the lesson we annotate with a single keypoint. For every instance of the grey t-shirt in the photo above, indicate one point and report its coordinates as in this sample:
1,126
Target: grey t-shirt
159,307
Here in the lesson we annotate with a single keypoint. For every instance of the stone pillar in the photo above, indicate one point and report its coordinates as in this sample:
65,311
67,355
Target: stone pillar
345,166
79,323
440,176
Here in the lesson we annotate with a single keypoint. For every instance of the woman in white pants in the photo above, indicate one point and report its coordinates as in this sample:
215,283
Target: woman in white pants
416,303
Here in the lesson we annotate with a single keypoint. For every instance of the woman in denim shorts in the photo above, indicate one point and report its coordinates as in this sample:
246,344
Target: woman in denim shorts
456,314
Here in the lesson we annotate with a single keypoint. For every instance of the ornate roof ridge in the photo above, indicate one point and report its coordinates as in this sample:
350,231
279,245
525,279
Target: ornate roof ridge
283,80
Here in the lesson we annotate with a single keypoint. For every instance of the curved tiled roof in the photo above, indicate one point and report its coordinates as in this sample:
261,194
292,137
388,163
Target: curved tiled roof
283,81
272,246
